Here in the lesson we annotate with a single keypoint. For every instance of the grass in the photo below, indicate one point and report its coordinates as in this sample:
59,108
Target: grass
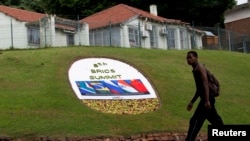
36,97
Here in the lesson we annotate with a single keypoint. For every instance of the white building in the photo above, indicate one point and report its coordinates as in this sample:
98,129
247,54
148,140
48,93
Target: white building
25,29
126,26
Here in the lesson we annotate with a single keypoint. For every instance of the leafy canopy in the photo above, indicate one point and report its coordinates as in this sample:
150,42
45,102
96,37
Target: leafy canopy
196,12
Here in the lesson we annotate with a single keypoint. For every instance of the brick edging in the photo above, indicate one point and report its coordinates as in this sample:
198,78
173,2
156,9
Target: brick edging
159,136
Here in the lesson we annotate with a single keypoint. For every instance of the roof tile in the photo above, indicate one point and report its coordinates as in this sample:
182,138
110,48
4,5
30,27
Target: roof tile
21,15
121,13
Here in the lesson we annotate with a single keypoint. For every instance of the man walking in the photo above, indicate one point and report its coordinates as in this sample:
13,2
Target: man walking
206,107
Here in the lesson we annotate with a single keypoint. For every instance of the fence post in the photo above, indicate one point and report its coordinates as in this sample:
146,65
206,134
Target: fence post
11,28
244,44
193,45
78,28
139,30
110,38
229,40
219,39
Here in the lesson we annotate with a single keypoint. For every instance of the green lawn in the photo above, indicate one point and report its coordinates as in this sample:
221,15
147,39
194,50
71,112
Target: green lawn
36,97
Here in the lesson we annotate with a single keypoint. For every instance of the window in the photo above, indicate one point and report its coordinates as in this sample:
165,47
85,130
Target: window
33,35
91,38
134,37
98,38
184,39
171,38
153,39
193,41
116,37
106,37
70,39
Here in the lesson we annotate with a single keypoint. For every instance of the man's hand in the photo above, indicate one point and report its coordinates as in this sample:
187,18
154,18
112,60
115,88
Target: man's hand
190,106
207,105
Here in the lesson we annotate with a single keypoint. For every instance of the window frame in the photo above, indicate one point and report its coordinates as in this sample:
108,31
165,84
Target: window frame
134,37
33,35
171,38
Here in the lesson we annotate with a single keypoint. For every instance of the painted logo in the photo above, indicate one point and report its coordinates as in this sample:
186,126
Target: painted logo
112,86
105,78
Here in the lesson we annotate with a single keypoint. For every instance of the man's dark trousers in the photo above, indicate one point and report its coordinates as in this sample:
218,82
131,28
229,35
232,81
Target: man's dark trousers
200,115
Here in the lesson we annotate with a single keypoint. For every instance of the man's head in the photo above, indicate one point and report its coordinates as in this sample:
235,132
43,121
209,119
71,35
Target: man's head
192,57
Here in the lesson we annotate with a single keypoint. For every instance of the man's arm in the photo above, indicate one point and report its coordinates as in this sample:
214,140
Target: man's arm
203,73
190,105
194,98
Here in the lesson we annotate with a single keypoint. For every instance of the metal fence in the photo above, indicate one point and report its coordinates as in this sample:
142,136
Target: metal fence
227,40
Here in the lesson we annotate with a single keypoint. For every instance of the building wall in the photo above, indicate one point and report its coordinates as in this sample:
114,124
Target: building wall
238,19
13,33
60,39
124,36
52,37
241,26
162,39
82,36
198,43
237,14
182,35
5,31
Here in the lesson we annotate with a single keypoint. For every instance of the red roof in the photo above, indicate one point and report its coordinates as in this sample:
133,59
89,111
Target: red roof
21,15
121,13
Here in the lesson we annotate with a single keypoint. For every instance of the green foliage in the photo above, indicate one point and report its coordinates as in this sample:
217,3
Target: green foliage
197,12
10,2
36,97
204,11
93,7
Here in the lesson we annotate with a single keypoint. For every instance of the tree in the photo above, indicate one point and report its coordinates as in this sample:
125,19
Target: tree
197,12
10,2
209,12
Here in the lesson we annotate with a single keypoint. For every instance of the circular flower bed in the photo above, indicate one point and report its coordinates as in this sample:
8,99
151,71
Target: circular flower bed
123,106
